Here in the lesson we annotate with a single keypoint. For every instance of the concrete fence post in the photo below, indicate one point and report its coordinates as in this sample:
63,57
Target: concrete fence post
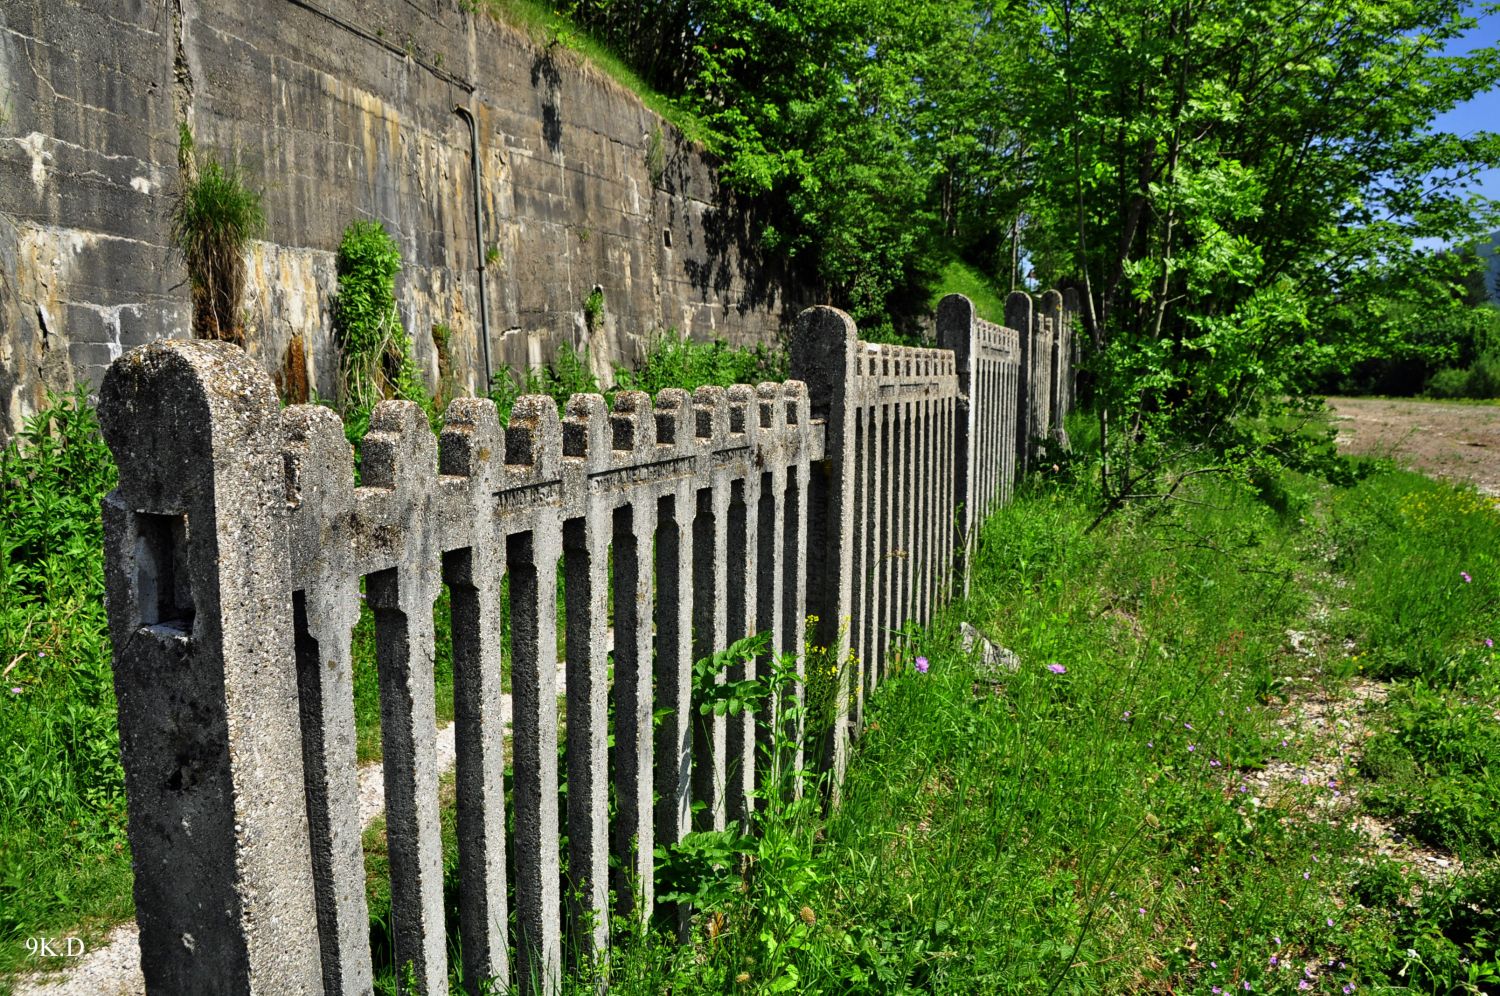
634,526
200,615
400,470
320,493
1018,315
711,603
822,348
955,331
471,435
1049,395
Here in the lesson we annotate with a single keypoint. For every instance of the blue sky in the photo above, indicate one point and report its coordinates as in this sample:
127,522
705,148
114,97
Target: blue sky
1483,112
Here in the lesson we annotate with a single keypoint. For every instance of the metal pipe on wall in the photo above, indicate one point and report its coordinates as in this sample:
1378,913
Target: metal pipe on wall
484,304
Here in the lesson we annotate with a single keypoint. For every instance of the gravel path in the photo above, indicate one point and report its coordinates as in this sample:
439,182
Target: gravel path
1459,442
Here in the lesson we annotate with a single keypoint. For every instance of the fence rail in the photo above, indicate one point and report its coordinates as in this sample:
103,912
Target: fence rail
237,540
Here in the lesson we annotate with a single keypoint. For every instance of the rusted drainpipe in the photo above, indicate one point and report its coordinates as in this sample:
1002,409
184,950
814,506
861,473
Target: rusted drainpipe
484,301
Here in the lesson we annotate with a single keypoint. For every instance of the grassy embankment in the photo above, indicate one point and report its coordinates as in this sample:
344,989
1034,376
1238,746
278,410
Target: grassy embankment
1151,802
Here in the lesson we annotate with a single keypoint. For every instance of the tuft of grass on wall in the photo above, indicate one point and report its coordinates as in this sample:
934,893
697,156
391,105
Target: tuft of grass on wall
375,351
214,216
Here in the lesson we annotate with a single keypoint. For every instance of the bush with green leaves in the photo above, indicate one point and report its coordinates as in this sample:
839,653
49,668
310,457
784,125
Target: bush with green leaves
1480,381
674,360
375,352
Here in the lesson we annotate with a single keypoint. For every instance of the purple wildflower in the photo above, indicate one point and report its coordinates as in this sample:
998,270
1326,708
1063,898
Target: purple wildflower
1057,668
922,664
1465,576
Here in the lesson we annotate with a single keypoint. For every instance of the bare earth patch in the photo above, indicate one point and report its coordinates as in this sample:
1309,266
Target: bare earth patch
1457,442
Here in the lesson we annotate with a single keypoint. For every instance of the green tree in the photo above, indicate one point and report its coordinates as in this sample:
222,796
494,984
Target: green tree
1230,184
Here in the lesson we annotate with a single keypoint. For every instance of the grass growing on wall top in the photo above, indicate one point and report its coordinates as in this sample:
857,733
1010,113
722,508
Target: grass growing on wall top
674,360
550,30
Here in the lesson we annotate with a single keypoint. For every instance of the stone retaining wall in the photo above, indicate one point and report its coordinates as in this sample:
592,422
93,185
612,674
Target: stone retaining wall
340,110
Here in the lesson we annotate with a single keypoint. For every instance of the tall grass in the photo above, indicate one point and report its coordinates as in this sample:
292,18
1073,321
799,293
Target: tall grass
214,216
64,861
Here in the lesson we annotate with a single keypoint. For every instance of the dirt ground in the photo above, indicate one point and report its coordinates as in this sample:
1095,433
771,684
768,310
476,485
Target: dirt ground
1460,442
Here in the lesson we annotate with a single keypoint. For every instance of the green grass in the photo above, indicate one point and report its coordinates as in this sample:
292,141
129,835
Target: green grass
959,277
64,860
1106,829
673,360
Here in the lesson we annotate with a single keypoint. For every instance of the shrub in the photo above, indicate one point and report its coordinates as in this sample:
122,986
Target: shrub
375,351
673,360
1448,383
1480,381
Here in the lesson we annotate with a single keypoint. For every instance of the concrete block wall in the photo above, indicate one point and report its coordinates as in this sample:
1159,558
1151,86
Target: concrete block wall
339,110
235,546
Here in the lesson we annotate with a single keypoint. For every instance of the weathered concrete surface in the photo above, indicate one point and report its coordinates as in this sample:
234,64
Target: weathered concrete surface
208,719
339,110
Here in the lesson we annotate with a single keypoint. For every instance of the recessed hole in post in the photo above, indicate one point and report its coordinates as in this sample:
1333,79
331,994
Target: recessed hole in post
163,586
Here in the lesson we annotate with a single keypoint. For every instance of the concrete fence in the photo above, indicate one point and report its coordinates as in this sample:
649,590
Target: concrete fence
235,547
